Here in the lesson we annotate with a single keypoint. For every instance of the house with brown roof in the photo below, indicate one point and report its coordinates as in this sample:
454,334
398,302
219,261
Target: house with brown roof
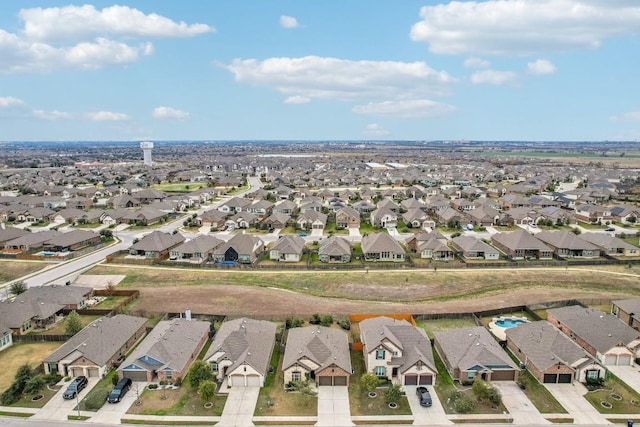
241,248
611,245
473,248
347,217
277,220
241,350
381,247
627,310
551,356
520,244
30,241
287,249
212,218
472,353
335,249
156,245
11,233
72,241
197,250
397,350
383,217
311,220
566,244
318,353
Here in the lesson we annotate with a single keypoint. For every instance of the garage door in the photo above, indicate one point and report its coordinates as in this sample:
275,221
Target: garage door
425,380
324,380
610,360
624,360
503,375
77,372
565,378
550,378
410,380
237,380
340,380
135,375
94,373
253,380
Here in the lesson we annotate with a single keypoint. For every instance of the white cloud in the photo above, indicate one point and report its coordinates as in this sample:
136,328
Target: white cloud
169,113
104,116
72,22
476,63
404,109
493,77
332,78
51,115
289,22
10,101
632,116
541,67
524,27
375,129
297,100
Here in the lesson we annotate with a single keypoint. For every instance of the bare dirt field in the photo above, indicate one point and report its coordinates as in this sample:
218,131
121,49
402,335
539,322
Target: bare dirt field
282,293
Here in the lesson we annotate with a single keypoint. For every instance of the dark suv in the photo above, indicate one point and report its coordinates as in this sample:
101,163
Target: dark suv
75,387
424,396
119,390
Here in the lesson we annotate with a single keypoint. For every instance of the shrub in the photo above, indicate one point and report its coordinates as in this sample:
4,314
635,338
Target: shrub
17,288
369,382
152,386
23,374
34,384
72,324
207,390
52,378
96,399
200,371
293,322
344,324
393,394
177,382
484,390
326,320
10,395
464,405
315,319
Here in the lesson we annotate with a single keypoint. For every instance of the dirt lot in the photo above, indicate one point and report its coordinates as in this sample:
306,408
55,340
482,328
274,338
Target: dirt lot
280,294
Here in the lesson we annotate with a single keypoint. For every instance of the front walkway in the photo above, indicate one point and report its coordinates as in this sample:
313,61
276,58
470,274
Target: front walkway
333,406
520,408
433,414
239,407
571,397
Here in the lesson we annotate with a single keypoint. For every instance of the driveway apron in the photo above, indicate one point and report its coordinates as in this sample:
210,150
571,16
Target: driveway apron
571,396
433,414
239,407
58,408
520,408
333,406
112,413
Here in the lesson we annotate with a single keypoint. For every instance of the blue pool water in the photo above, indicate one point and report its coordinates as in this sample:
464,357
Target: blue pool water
509,323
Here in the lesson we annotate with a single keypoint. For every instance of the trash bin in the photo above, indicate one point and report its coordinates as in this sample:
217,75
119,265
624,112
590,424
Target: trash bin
629,423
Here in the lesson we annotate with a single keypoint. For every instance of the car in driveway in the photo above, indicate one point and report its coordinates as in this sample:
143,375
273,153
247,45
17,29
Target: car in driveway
119,390
75,387
424,396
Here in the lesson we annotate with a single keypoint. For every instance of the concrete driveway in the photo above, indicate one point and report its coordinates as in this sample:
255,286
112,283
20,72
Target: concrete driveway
239,408
354,231
520,408
58,408
112,413
333,406
316,232
433,414
630,375
571,396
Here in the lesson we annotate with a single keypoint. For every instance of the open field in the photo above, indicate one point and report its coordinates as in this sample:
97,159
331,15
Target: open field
11,270
284,293
19,354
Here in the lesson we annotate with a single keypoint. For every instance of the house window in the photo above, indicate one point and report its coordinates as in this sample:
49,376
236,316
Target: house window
214,367
471,375
380,371
395,354
168,375
379,354
296,376
593,375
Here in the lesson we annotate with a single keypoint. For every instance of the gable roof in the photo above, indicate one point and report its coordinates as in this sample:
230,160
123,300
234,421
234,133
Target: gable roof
472,244
289,245
334,246
565,239
202,243
607,241
100,339
465,348
380,242
245,341
244,244
520,239
158,241
324,346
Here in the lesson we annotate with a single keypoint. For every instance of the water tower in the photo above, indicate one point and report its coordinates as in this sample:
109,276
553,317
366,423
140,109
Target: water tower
146,146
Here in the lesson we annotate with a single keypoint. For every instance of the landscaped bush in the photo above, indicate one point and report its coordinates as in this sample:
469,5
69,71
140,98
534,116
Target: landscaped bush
96,399
369,382
464,405
152,386
11,395
34,384
292,322
393,394
484,390
200,371
326,320
344,324
315,319
53,378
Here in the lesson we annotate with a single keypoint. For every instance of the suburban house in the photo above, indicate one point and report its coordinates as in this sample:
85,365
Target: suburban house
588,212
384,217
144,216
212,218
156,245
6,337
347,217
416,218
197,250
626,214
611,245
311,220
241,352
627,310
287,249
277,220
68,297
435,249
551,356
93,351
167,352
234,205
335,249
397,350
566,244
29,241
473,248
317,353
242,248
260,208
381,247
242,220
286,207
521,245
604,336
470,353
11,233
72,241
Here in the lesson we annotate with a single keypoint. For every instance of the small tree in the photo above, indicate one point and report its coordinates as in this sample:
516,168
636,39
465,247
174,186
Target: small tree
393,394
207,390
34,384
200,371
369,382
72,324
18,288
326,320
315,319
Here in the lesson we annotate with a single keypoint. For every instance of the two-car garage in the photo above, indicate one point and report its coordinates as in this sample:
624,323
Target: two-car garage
329,380
415,379
239,380
557,378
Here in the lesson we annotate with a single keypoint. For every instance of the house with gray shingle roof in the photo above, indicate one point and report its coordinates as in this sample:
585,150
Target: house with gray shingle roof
551,356
92,351
242,248
381,247
603,336
156,244
30,241
347,217
627,310
335,249
318,353
521,245
611,245
287,249
72,241
11,233
566,244
397,350
167,352
241,352
470,353
474,248
197,250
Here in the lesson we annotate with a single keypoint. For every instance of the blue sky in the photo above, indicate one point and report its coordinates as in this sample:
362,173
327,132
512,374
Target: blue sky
320,70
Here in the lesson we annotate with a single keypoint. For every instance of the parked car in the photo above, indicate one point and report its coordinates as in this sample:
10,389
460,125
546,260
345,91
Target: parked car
302,234
424,396
119,390
610,229
75,387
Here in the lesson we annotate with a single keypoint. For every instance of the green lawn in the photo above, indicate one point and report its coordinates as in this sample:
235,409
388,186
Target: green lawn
104,386
544,401
590,226
59,328
332,229
622,390
180,187
110,302
436,325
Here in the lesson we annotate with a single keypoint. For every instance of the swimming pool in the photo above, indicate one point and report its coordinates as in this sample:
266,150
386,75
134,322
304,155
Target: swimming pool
499,325
507,323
